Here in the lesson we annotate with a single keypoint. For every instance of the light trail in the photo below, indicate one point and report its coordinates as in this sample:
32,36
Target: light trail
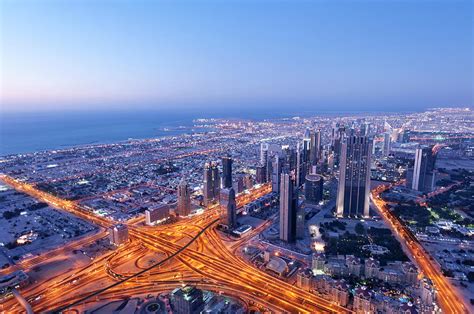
212,259
448,299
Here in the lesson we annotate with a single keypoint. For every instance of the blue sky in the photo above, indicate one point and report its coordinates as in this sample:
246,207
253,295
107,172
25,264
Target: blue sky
310,55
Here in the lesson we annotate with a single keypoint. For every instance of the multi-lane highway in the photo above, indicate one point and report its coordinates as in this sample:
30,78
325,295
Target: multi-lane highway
447,294
207,258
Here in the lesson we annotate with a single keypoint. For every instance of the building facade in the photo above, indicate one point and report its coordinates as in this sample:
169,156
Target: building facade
354,177
288,209
184,199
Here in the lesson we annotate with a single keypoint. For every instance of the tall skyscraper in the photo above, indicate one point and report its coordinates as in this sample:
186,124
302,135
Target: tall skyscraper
299,165
306,151
184,199
354,177
338,134
261,175
226,172
300,220
211,184
423,175
216,180
228,208
264,148
315,147
387,140
277,167
288,208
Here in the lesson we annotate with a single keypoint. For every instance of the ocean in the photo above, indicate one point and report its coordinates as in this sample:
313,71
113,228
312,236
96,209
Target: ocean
32,132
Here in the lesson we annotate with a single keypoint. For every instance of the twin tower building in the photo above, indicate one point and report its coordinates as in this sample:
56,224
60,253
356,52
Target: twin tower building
293,170
303,169
212,193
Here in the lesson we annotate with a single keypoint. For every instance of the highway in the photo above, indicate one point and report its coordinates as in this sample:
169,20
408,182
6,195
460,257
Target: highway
446,292
204,255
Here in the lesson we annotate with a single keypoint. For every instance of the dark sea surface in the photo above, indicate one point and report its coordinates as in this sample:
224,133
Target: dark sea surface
31,132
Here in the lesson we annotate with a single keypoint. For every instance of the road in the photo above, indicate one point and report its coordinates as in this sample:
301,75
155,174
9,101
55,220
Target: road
447,296
207,257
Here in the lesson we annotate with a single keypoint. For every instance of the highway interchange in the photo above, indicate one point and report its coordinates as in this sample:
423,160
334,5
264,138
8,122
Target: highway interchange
194,253
207,262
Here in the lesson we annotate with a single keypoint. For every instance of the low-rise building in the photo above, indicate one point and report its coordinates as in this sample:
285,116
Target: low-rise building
157,214
304,279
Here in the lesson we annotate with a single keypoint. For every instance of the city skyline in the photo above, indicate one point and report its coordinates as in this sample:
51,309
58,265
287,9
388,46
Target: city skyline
218,220
363,55
242,156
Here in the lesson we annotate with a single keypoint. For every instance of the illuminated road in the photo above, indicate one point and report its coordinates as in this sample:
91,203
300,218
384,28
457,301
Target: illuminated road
447,296
208,258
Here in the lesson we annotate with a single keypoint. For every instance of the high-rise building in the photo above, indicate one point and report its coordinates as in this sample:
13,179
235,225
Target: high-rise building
404,136
187,300
261,174
387,139
313,188
365,129
277,167
216,180
264,148
315,147
238,184
288,208
211,184
300,221
423,174
228,208
338,134
269,169
305,152
226,172
184,199
299,165
118,234
289,159
354,177
248,181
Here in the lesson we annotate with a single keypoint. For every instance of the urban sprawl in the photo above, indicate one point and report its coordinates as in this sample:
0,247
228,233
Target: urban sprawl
366,213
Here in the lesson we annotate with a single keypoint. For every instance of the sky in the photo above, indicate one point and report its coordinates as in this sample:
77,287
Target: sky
308,55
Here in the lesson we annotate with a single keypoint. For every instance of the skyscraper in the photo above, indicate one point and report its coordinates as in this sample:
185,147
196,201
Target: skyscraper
354,177
338,134
184,199
226,172
288,208
261,176
299,165
211,183
387,139
228,208
313,188
315,147
300,220
277,167
305,152
264,148
216,180
423,175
